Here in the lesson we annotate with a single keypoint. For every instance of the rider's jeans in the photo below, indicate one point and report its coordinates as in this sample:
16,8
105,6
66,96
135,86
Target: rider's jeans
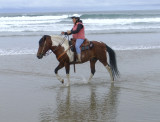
78,44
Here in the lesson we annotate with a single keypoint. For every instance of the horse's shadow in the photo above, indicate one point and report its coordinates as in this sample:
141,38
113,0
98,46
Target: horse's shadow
84,103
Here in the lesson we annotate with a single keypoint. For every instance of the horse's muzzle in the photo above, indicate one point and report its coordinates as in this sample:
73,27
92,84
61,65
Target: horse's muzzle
40,56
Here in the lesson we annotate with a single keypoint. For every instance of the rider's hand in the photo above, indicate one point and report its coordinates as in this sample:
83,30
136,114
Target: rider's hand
62,32
68,32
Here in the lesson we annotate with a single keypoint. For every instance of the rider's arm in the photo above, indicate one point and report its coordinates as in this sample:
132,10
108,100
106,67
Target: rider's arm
79,27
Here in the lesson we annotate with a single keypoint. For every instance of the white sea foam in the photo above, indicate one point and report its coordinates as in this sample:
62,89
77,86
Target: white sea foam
120,21
34,51
62,22
17,51
33,18
135,47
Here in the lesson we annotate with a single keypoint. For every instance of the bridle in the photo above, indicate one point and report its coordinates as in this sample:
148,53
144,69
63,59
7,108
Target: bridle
47,53
43,47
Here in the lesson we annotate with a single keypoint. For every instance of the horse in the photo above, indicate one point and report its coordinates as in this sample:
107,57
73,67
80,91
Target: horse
65,56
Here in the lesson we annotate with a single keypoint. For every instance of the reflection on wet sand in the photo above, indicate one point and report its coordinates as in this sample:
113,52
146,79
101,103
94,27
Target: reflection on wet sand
99,104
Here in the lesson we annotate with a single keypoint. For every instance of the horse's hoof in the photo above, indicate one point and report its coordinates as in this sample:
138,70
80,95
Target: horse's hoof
89,82
62,81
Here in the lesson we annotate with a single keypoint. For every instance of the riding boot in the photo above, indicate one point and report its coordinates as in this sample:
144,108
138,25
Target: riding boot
79,58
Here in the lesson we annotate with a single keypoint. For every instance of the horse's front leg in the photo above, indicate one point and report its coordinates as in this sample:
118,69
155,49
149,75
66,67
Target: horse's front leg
67,67
56,72
92,66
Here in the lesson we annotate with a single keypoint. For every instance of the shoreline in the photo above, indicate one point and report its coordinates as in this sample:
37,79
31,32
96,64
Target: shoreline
29,44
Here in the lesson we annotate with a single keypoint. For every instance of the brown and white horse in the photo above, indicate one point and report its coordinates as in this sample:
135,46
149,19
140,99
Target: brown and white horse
65,56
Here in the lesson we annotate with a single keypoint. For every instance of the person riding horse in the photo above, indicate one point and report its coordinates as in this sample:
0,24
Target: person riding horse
65,57
78,33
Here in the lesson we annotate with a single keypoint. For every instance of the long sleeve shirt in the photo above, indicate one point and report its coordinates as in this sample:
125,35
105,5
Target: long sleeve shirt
79,27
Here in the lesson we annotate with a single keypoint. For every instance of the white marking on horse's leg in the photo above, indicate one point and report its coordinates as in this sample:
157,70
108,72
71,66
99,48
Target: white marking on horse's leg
59,78
68,77
89,80
110,72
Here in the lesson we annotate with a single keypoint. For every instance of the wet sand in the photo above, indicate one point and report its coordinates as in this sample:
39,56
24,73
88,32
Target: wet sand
30,92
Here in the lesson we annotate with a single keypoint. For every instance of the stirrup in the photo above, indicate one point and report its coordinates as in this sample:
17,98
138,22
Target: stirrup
78,61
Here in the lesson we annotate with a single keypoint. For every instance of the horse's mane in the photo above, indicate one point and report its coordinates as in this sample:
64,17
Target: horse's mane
56,40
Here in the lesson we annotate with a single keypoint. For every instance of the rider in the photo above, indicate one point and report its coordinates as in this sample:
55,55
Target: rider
77,33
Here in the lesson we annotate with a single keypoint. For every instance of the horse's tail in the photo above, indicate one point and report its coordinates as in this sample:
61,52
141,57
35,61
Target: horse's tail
112,61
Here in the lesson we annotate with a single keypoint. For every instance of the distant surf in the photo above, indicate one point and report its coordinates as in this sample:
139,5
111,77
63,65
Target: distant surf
95,22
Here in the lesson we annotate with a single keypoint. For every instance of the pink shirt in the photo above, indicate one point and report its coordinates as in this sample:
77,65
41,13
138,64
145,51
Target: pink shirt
80,34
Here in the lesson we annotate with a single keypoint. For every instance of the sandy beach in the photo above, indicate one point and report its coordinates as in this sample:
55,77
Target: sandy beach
30,92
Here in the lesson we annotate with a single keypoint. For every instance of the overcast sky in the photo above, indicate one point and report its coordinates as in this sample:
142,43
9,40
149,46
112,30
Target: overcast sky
78,5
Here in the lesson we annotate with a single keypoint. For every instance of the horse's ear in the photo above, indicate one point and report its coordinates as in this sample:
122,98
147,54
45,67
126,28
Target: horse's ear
40,41
44,37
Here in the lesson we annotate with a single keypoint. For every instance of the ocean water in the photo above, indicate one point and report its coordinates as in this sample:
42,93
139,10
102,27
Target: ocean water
106,22
25,25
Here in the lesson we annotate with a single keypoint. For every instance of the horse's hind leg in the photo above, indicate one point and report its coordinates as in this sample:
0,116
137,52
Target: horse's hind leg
92,66
104,62
110,72
56,72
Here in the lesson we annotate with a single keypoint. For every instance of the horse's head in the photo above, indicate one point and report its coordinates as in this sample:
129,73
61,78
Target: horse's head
44,45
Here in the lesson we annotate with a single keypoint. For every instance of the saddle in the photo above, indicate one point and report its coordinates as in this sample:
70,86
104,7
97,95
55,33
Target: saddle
86,45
